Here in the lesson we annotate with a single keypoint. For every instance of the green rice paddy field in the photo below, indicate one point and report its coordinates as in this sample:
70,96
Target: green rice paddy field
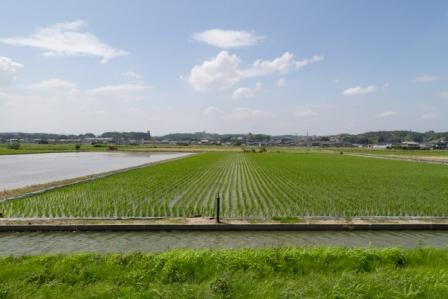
258,185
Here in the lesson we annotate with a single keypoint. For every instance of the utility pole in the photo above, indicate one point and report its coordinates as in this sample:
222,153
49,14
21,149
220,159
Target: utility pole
307,137
217,207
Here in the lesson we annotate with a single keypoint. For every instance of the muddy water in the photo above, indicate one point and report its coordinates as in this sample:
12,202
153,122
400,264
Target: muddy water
18,171
51,243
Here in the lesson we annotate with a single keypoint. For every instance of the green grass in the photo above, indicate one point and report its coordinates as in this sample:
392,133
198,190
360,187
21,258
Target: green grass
243,273
252,185
33,148
394,152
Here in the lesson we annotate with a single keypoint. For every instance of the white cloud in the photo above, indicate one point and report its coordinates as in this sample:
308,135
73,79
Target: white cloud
244,113
52,84
7,65
425,78
442,94
279,65
306,113
359,90
118,89
428,116
224,70
227,38
218,73
133,76
246,92
281,82
212,110
8,70
2,95
386,114
66,39
302,63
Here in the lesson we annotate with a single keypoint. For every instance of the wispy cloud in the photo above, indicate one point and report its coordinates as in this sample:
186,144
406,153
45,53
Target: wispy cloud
428,116
442,94
281,82
386,114
302,63
246,92
359,90
425,78
212,110
8,70
7,65
133,76
52,84
244,113
226,39
118,89
224,70
306,113
67,39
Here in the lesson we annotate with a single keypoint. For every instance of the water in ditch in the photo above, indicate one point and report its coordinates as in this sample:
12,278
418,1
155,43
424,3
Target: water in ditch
125,242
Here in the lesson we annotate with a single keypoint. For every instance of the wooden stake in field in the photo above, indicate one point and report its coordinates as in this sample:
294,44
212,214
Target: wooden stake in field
217,207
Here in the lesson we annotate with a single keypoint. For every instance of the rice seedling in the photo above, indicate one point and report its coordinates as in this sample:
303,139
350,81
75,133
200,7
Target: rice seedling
252,185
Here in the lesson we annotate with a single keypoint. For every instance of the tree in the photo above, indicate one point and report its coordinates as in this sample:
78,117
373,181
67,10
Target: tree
14,145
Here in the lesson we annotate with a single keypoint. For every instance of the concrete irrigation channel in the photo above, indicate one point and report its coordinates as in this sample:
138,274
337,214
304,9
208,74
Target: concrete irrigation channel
208,224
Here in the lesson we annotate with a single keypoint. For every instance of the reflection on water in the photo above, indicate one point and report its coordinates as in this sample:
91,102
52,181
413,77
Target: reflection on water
18,171
55,242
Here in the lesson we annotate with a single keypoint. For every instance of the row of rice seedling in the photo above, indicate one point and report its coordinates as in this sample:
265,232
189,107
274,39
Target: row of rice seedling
252,185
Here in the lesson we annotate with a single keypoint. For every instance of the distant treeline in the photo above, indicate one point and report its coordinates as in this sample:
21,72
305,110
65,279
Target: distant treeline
392,137
364,138
198,136
48,136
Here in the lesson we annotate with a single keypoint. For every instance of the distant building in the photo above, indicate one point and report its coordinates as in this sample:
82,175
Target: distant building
410,145
99,140
382,146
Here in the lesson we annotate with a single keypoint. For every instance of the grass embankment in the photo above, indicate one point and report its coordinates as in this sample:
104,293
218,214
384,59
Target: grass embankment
252,185
393,152
33,148
246,273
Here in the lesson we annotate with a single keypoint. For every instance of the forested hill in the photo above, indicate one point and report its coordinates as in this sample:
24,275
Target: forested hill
393,137
363,138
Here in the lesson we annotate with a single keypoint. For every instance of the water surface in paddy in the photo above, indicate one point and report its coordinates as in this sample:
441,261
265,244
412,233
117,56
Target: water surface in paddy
18,171
125,242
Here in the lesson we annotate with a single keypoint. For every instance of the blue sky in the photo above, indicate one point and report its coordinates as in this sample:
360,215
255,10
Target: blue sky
277,67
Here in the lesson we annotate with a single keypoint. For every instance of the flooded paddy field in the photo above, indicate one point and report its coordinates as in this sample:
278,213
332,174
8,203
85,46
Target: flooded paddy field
17,171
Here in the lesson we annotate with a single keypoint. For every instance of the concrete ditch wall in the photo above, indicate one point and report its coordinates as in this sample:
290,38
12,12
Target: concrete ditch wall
222,227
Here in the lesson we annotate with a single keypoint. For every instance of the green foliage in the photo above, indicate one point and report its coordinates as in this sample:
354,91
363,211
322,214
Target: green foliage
14,146
242,273
286,219
34,148
252,185
392,137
